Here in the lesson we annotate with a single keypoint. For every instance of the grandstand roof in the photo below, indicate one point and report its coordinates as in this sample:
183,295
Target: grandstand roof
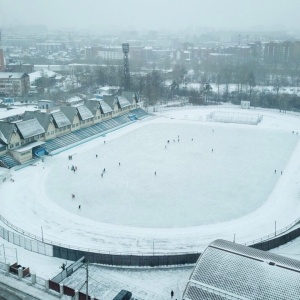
226,270
105,107
111,101
7,129
60,119
43,118
84,112
92,105
130,96
123,102
30,128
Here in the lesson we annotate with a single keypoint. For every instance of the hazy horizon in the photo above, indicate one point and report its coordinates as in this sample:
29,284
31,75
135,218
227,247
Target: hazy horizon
168,15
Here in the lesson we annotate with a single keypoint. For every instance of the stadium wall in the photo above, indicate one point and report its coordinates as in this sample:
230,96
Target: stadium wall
35,244
49,248
126,260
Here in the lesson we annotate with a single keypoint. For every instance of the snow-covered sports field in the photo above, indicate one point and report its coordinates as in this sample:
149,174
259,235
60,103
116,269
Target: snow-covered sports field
212,180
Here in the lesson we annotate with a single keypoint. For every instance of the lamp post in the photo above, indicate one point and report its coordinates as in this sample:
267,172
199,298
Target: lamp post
10,86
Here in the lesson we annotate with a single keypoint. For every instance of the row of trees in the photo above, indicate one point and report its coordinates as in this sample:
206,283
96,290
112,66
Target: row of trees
157,85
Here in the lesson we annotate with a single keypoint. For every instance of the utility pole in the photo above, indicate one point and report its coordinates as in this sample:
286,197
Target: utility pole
42,234
87,281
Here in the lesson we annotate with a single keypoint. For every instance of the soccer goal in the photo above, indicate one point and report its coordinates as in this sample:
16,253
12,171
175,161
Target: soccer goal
234,117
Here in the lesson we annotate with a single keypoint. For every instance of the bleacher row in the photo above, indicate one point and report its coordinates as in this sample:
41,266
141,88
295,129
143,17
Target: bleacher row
81,134
8,161
95,129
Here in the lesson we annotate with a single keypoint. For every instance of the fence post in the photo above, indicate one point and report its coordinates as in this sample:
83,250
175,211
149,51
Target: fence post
33,278
47,285
76,295
7,268
20,272
61,289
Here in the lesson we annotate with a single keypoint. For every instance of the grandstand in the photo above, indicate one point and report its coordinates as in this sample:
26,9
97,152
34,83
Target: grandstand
96,129
8,161
226,270
234,117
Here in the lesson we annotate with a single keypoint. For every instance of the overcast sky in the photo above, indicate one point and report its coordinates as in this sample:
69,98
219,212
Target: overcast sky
171,15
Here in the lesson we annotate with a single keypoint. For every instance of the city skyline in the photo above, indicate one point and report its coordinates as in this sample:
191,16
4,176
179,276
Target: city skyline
160,15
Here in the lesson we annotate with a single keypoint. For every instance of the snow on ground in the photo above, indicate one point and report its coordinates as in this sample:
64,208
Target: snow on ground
291,249
44,266
146,284
244,160
196,196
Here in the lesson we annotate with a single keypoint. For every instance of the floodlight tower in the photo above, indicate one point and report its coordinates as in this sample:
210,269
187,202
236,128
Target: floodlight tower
125,47
2,66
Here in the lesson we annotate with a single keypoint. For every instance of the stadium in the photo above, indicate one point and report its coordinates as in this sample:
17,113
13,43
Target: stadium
173,183
159,190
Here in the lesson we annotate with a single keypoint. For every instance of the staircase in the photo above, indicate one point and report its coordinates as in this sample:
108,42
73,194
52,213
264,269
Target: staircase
8,161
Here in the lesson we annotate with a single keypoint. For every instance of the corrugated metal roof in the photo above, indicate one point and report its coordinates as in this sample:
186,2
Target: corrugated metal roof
84,112
2,138
43,118
30,128
60,119
7,130
226,270
123,102
105,107
92,105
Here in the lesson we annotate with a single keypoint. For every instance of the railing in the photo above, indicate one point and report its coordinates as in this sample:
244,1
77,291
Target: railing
51,243
273,235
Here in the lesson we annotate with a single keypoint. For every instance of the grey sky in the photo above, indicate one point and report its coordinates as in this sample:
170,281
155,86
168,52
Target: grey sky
153,14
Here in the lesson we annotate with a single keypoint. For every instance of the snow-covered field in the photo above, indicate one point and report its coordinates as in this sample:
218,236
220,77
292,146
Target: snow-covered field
221,183
197,195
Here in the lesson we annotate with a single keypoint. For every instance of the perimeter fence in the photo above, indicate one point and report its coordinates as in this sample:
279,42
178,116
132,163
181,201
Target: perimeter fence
34,243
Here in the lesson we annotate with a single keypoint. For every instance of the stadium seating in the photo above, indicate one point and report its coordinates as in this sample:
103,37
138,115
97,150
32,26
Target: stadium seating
8,161
93,130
